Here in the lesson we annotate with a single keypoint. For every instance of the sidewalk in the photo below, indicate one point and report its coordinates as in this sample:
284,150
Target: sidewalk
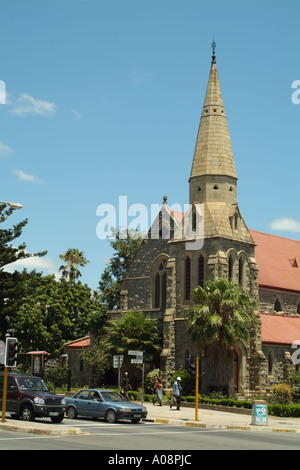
213,419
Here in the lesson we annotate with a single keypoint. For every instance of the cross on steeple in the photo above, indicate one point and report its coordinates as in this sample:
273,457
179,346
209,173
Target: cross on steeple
213,46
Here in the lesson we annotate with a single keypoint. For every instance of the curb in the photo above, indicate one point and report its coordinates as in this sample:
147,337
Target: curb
220,426
43,431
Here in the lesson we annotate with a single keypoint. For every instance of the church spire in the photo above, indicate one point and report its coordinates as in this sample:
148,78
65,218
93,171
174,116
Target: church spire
213,163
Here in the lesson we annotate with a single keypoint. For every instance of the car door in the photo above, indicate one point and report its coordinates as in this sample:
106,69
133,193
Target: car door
81,402
94,404
12,396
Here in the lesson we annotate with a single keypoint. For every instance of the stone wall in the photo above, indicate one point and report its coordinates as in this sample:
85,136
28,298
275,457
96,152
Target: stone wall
289,301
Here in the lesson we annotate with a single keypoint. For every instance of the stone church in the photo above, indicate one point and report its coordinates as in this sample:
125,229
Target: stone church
167,268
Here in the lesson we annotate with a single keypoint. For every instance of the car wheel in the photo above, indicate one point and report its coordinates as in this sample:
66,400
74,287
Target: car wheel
71,412
57,419
111,416
27,413
136,420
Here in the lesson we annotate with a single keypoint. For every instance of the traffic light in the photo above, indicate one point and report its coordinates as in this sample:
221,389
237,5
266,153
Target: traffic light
192,366
11,348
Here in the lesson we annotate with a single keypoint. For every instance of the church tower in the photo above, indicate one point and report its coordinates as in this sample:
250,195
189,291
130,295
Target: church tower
228,249
213,175
213,183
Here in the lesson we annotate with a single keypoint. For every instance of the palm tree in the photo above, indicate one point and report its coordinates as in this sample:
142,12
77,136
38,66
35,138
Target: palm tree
223,314
72,258
133,331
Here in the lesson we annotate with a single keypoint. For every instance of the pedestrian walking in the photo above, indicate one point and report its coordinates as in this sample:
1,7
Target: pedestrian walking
177,392
126,386
158,389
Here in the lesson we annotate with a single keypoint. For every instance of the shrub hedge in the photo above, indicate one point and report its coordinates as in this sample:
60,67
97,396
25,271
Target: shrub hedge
286,411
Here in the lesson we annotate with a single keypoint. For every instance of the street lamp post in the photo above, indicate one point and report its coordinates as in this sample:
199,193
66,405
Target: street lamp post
13,205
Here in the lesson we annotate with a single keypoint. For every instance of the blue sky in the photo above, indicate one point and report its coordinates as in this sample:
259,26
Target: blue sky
104,99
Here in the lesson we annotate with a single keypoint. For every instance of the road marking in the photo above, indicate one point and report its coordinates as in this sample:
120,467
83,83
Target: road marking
190,431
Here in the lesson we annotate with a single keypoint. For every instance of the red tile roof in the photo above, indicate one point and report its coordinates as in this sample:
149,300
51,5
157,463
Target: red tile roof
278,261
280,329
79,343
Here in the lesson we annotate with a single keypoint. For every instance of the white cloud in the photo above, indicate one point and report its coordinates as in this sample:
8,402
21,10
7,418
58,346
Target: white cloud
76,113
35,262
285,224
27,104
26,176
5,150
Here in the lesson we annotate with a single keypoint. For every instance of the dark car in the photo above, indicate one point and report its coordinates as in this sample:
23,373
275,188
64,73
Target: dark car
106,404
28,397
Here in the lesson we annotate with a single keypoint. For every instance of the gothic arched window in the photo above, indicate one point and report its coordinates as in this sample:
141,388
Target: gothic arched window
278,306
187,276
201,271
230,267
270,363
160,286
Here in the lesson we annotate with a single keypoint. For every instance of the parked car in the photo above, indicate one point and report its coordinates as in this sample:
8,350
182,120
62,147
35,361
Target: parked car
106,404
28,397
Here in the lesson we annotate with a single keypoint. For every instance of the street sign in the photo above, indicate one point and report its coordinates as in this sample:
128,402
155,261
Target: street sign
2,352
117,361
139,359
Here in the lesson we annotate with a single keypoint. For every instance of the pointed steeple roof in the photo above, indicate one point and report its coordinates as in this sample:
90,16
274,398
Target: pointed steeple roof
213,152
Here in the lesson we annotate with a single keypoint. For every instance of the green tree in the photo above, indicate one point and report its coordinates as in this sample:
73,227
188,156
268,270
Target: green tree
125,246
133,331
12,285
72,258
223,314
96,360
54,313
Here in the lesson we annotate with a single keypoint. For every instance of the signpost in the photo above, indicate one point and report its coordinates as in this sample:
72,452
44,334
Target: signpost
117,364
139,359
197,387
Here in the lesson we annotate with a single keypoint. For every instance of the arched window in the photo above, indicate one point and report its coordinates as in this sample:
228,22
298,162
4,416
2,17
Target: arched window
230,267
201,271
278,306
241,272
163,290
270,363
160,286
187,276
194,219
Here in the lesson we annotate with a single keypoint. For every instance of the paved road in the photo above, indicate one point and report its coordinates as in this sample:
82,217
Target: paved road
147,436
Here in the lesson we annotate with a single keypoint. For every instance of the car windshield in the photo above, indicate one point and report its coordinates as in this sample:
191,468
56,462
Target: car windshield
112,396
32,383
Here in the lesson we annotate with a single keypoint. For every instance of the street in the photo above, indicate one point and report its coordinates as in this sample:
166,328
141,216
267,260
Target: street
147,436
